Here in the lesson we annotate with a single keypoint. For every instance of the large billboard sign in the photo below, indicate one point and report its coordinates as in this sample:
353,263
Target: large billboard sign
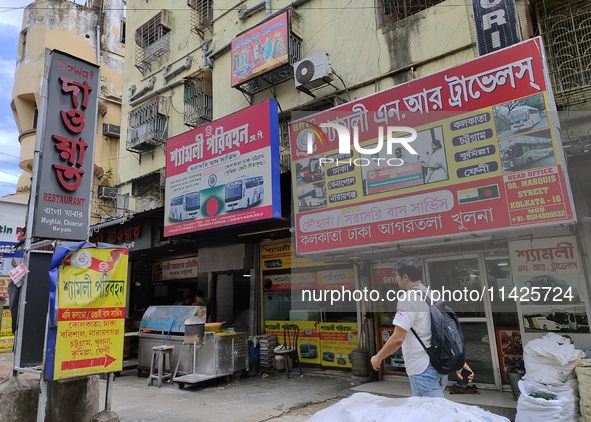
65,170
497,25
224,173
88,286
486,156
260,49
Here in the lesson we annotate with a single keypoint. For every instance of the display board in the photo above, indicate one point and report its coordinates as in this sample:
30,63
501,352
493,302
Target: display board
88,286
487,157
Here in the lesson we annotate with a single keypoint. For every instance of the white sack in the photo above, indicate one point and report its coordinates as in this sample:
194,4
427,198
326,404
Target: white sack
365,407
583,371
550,359
531,409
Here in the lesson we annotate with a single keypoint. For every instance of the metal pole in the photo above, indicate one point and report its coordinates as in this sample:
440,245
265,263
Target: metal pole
109,391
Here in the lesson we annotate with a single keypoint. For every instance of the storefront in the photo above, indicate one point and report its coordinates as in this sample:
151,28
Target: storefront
478,190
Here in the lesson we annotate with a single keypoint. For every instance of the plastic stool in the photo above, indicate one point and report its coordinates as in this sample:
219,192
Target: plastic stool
159,354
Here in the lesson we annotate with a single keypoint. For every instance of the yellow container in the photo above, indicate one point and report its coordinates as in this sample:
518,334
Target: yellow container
213,327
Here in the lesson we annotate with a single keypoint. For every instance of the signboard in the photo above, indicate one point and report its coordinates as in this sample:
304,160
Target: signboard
134,237
337,341
282,256
550,289
65,175
488,157
224,173
497,25
176,269
308,340
88,286
290,281
393,364
260,49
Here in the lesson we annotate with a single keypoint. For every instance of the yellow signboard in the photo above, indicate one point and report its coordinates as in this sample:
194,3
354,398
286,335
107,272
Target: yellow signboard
308,340
337,341
88,292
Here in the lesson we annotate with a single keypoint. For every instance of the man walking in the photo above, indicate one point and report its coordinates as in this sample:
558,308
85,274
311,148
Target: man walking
413,312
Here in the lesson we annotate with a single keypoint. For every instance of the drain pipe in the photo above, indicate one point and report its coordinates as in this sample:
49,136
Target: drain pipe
160,90
133,95
166,76
98,35
245,13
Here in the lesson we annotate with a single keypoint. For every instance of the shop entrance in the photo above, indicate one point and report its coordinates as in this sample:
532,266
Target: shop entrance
465,280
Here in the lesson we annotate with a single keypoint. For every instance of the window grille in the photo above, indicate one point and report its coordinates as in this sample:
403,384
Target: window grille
565,27
153,42
147,126
198,100
201,15
396,10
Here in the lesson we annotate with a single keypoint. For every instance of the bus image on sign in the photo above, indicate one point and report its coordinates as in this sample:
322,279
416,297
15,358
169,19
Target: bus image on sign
185,207
519,154
244,192
524,117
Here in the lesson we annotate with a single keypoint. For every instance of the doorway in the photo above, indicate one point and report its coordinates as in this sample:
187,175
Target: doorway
464,279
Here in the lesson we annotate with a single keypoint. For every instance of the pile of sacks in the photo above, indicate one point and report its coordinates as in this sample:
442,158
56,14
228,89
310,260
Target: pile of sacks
549,390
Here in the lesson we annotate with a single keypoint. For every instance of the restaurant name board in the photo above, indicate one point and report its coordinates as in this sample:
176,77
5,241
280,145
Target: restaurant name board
65,174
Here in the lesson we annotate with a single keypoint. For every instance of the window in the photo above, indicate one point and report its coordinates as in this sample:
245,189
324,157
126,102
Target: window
153,42
201,15
565,26
396,10
198,100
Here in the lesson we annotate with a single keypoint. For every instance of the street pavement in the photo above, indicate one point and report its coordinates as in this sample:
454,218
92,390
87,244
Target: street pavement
269,396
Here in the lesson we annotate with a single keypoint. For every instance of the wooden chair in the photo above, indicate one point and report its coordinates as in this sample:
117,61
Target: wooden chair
289,348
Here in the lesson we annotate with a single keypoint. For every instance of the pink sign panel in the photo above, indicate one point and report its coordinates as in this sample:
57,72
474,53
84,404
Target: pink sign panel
260,49
224,173
487,156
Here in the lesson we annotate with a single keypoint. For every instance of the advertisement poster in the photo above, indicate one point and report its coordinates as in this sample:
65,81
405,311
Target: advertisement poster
308,339
510,349
225,172
260,49
337,341
487,156
88,286
282,256
550,289
393,364
336,279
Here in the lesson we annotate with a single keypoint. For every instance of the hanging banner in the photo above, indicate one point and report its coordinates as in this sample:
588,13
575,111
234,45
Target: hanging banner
88,286
224,173
176,269
550,289
486,157
65,174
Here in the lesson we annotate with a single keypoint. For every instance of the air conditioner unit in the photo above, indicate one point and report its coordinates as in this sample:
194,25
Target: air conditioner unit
112,131
313,72
107,192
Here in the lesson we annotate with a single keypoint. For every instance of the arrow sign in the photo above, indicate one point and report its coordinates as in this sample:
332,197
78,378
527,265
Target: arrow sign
88,363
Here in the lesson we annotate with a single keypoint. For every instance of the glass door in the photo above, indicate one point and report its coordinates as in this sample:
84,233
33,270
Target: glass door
462,282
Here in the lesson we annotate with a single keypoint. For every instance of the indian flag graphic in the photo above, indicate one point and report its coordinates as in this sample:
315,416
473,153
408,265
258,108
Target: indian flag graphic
478,194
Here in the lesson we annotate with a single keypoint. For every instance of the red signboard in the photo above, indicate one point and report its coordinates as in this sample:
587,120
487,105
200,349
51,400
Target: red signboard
260,49
487,156
225,172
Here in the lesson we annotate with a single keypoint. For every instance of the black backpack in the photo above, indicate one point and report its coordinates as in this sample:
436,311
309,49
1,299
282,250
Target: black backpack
447,352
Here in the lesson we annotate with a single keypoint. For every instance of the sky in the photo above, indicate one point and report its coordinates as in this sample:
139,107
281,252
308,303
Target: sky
11,18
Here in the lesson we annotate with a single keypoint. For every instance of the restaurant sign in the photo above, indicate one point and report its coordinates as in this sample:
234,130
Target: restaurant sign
65,175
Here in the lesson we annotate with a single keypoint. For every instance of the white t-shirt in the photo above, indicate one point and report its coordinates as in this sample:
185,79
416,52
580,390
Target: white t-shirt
415,314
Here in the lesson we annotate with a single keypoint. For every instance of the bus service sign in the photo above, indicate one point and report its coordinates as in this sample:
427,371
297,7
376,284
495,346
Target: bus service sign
224,173
488,158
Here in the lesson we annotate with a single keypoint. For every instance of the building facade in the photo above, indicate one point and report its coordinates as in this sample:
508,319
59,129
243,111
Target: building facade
194,70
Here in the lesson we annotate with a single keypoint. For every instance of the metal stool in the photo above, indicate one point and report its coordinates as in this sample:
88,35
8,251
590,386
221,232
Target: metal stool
159,354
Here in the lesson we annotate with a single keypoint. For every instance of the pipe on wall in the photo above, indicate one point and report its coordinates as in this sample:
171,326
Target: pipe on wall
160,90
133,95
166,76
